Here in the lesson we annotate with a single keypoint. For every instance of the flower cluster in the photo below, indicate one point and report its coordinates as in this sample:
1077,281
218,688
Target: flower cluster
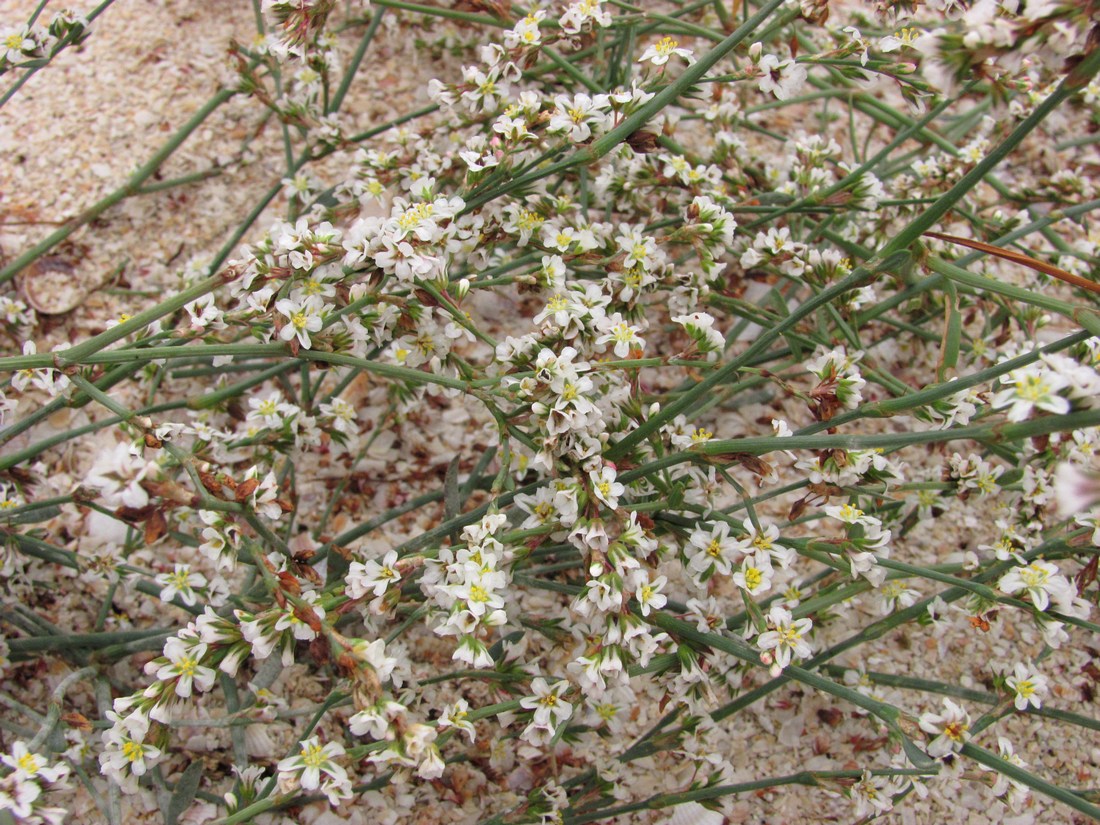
26,779
33,44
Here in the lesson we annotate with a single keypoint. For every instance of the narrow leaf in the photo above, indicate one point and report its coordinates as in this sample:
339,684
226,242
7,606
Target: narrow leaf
184,794
952,332
452,496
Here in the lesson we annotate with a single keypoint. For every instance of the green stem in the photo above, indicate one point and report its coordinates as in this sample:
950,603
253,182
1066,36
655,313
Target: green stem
356,61
136,180
604,144
1014,772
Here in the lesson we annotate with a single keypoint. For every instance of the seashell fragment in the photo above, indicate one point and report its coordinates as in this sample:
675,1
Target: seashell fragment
51,287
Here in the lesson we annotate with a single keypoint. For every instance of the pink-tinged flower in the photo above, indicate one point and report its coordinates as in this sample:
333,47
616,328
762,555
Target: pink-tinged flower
952,729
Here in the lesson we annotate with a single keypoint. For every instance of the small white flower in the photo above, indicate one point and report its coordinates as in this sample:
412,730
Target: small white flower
783,79
605,487
1039,580
184,666
788,636
649,594
454,716
125,754
1031,387
874,794
618,332
32,766
659,52
1028,684
755,573
304,318
371,576
312,760
181,582
952,729
1012,791
550,709
711,551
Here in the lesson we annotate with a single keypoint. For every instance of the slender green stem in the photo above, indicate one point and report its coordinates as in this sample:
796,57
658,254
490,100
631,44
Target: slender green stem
604,144
131,186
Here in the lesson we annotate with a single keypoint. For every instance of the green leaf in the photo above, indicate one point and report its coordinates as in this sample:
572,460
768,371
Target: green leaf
452,496
917,757
775,298
184,794
952,332
35,516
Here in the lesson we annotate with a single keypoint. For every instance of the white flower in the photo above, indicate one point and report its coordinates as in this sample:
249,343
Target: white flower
755,573
1039,580
432,765
700,328
952,729
577,115
376,720
31,765
270,410
787,637
874,794
181,582
15,41
850,514
343,415
525,32
649,594
893,42
605,487
766,540
304,317
712,551
454,716
581,12
473,652
1028,684
1033,386
289,619
550,709
184,666
205,313
623,335
1013,791
783,79
371,576
659,52
125,754
312,760
856,40
374,654
894,595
